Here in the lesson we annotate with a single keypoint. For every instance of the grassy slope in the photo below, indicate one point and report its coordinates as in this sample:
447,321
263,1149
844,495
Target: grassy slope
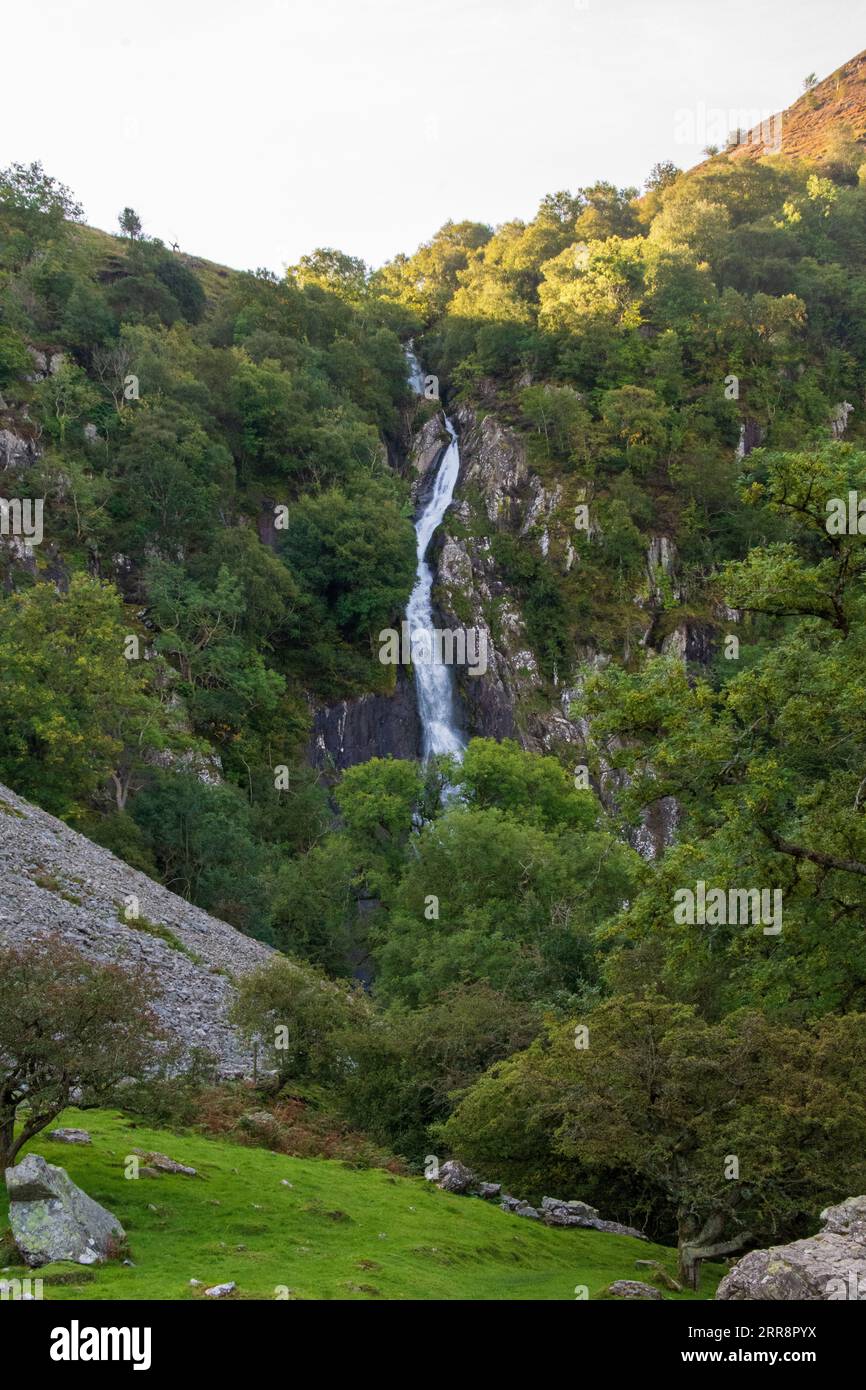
337,1233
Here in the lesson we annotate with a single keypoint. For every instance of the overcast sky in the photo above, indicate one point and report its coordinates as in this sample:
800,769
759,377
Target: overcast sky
253,130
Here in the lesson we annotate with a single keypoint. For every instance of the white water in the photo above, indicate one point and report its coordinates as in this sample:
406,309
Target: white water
435,686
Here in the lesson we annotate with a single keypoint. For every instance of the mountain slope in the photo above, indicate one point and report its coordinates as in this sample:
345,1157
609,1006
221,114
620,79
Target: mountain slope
331,1233
55,880
811,125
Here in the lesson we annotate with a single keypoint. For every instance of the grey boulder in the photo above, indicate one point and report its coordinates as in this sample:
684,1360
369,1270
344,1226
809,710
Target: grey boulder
454,1176
518,1208
829,1266
489,1189
52,1219
556,1212
69,1136
632,1288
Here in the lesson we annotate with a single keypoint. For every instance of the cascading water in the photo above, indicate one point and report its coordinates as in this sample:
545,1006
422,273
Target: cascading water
435,685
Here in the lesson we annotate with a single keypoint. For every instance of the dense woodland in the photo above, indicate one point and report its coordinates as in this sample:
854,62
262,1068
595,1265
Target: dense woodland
496,920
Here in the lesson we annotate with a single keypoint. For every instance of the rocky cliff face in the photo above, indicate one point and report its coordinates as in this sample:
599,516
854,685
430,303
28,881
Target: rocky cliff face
499,490
371,726
56,881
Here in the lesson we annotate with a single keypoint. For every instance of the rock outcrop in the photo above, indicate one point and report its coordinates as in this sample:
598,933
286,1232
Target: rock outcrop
56,881
52,1219
18,451
371,726
829,1266
556,1212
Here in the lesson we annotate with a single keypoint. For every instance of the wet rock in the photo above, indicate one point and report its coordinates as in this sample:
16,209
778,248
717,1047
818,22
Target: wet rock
52,1219
371,726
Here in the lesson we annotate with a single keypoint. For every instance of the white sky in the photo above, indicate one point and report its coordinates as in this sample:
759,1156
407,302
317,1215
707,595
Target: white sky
253,130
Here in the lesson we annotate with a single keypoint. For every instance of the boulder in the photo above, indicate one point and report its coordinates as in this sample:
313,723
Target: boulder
69,1136
518,1208
52,1219
829,1266
556,1212
632,1288
489,1189
221,1290
454,1176
161,1163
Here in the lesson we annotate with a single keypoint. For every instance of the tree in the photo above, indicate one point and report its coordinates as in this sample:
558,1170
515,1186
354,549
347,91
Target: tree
532,788
662,175
486,896
378,802
130,223
201,837
742,1128
36,207
74,712
300,1019
67,1025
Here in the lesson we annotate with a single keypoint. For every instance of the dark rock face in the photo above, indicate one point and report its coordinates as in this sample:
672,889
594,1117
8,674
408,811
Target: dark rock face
371,726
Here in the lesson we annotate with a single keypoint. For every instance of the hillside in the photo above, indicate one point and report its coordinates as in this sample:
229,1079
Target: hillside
587,915
56,881
812,126
316,1229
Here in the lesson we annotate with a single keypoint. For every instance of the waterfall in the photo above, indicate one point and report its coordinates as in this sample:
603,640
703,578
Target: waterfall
435,684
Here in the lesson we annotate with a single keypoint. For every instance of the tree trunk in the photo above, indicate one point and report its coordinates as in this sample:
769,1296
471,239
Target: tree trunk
694,1246
7,1140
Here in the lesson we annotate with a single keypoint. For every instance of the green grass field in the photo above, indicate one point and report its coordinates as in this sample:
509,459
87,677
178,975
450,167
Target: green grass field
336,1233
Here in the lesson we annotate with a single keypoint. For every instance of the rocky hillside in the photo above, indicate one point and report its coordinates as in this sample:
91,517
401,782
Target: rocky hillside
56,881
811,126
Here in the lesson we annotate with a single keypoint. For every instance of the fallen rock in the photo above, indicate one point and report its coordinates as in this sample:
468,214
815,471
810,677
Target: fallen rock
632,1288
559,1213
489,1189
828,1266
454,1176
220,1290
163,1164
69,1136
518,1208
52,1219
